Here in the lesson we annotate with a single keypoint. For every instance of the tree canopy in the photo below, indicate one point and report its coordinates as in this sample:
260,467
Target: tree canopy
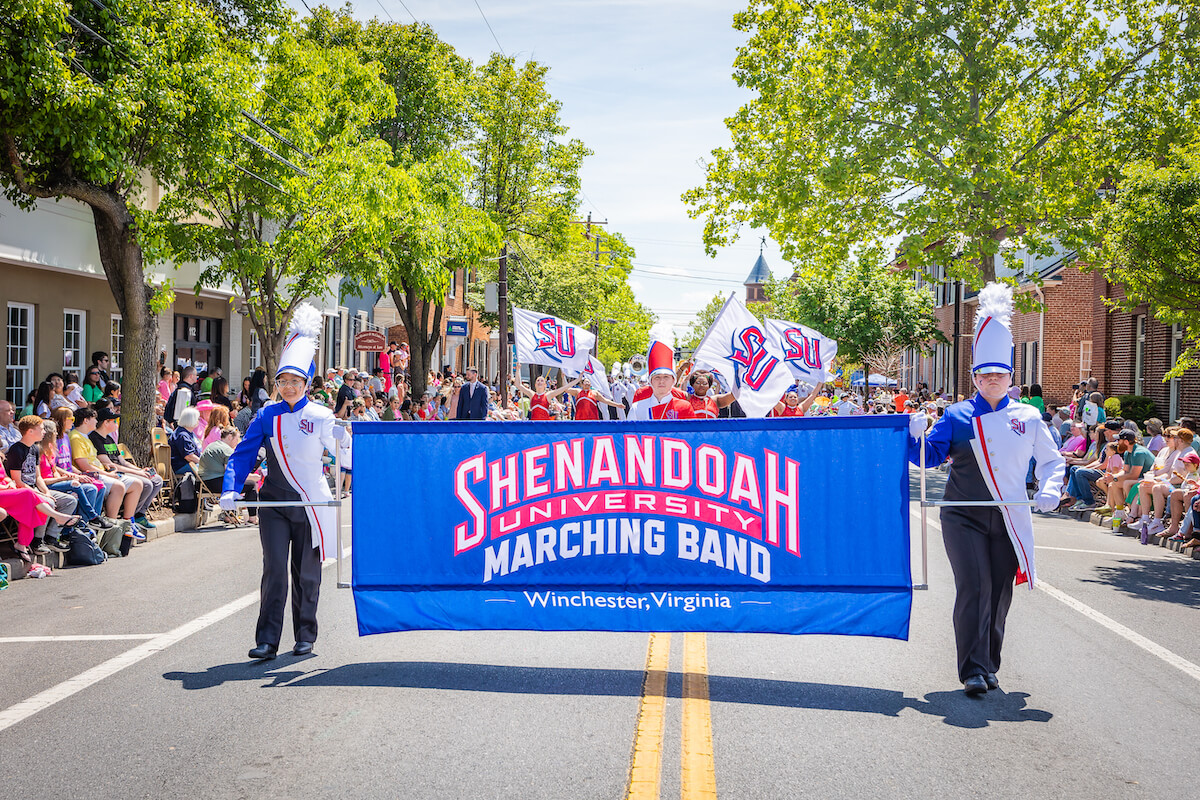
277,228
1151,247
97,104
946,127
864,304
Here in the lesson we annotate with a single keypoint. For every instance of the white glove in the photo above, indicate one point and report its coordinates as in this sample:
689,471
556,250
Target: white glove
1046,502
917,423
229,501
339,432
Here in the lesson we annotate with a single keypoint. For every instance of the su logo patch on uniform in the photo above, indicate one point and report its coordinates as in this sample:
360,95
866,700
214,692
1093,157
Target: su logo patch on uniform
307,426
1017,426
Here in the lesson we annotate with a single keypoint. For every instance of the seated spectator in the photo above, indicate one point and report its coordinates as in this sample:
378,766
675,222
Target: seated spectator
1181,498
90,499
211,470
21,468
31,511
1154,430
141,482
218,420
185,448
1082,477
1136,460
86,461
1076,445
1165,477
92,389
9,432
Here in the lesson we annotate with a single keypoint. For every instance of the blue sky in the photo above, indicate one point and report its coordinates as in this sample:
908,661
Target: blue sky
646,84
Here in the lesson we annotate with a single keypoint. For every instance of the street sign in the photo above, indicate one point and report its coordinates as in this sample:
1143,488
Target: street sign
370,342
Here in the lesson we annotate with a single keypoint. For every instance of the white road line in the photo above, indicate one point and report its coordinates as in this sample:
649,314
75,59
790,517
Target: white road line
1130,635
88,637
1154,649
27,708
43,700
1150,554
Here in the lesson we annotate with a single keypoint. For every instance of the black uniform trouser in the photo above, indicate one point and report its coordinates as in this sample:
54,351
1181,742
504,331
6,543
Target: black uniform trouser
984,564
281,529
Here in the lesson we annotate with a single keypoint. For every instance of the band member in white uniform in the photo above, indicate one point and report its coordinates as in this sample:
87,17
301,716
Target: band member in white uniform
296,434
990,439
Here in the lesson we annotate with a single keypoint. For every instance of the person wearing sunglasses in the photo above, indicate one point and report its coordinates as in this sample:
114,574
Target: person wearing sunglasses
296,538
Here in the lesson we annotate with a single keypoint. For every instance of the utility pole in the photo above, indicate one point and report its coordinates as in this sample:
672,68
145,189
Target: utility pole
502,298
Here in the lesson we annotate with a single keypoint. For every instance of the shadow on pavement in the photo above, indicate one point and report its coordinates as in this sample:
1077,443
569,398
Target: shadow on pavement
1165,580
953,707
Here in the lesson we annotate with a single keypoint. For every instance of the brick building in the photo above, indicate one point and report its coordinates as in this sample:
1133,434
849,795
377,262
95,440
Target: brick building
466,342
1132,351
1077,336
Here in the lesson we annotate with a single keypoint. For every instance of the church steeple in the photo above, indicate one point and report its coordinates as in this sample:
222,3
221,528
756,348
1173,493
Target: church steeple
760,273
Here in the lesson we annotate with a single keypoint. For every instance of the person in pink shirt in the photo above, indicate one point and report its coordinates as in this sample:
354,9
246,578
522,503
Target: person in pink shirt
1077,443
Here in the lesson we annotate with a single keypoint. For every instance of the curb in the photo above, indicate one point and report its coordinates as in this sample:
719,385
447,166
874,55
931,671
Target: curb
18,569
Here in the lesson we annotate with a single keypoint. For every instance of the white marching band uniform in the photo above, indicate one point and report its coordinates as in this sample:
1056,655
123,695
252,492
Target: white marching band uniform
295,539
990,449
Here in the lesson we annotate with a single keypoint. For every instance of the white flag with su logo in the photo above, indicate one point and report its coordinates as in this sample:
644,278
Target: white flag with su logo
595,374
738,348
809,353
550,341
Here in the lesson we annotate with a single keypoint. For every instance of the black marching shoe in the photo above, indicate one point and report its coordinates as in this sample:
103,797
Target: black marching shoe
302,649
992,681
975,685
263,652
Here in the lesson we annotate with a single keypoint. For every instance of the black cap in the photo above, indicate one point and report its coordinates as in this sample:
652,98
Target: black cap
1112,424
1128,436
105,415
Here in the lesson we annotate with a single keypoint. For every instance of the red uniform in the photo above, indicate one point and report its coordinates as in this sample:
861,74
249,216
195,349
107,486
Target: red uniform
788,411
676,405
703,407
539,408
586,406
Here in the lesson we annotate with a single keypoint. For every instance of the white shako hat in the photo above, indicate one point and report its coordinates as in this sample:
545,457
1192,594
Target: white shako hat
301,343
660,359
992,350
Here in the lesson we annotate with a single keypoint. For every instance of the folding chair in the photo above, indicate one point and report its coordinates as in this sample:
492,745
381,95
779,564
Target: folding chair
206,500
162,465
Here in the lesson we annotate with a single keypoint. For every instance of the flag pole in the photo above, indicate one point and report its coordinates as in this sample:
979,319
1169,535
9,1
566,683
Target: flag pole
924,584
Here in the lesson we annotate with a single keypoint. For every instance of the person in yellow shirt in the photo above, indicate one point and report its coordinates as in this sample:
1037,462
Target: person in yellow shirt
85,459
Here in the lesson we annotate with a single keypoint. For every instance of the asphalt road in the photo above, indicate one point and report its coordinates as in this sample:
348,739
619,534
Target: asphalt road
1097,697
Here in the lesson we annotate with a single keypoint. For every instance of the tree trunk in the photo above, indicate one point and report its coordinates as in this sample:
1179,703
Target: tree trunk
414,314
121,257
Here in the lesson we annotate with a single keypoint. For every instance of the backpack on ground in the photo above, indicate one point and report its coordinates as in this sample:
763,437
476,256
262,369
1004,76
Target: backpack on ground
84,552
111,539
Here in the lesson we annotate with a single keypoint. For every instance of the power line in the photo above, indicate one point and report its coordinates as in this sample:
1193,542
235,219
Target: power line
389,14
414,16
489,27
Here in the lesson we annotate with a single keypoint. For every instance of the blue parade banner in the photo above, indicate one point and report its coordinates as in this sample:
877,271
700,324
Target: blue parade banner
795,525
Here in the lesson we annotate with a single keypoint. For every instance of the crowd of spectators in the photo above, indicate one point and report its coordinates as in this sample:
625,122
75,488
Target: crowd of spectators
64,472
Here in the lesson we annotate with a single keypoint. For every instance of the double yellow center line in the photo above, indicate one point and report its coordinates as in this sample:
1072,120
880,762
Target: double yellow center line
698,772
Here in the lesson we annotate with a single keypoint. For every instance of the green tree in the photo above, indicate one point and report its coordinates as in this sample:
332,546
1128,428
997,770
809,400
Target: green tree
96,107
1151,249
869,307
526,178
280,229
574,285
948,127
441,231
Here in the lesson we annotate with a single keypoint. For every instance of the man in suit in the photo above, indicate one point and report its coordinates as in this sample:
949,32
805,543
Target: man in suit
472,397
